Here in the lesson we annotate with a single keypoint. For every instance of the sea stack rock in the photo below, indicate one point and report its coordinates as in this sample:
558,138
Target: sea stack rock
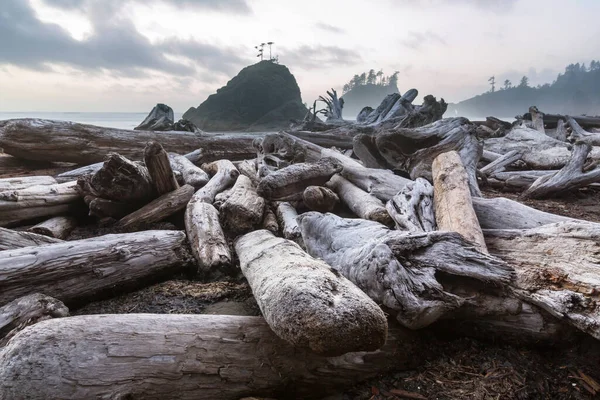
263,96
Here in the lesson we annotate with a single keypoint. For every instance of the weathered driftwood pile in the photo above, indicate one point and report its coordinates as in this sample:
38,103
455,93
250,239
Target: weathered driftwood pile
329,245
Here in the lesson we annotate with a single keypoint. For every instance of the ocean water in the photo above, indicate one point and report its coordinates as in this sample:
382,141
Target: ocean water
120,120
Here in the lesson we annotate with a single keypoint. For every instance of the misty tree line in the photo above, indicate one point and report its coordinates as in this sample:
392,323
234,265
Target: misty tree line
574,75
371,78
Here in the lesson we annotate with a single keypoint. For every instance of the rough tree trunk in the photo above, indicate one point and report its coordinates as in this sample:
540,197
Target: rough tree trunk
156,160
452,199
398,269
412,208
304,301
74,270
200,357
57,227
10,239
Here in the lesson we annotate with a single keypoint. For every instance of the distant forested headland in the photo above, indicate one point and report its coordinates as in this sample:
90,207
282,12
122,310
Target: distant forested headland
367,89
576,91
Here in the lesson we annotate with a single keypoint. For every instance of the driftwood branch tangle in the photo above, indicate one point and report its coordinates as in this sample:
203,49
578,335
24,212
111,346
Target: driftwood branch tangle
412,208
304,301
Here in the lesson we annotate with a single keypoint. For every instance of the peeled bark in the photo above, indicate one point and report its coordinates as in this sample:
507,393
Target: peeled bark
289,183
199,357
319,198
243,210
360,202
28,310
156,160
304,301
191,174
75,270
452,199
412,208
224,176
45,140
24,182
398,269
57,227
10,239
159,209
206,237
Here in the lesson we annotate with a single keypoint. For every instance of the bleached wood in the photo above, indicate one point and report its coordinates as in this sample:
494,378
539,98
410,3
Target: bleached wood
248,168
224,175
28,310
206,236
360,202
10,218
304,301
10,239
24,182
580,135
515,181
412,208
243,210
452,199
502,162
159,209
286,217
56,227
39,196
538,119
199,357
399,269
191,174
74,270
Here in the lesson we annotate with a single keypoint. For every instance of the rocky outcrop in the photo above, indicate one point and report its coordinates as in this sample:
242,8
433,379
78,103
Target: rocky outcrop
161,118
262,96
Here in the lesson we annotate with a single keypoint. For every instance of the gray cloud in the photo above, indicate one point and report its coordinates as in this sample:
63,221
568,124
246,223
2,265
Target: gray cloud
418,40
329,28
236,6
115,45
492,5
319,57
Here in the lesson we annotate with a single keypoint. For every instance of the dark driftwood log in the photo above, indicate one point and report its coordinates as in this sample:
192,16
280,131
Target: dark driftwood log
206,236
243,210
304,301
191,174
57,227
103,208
45,140
551,120
360,202
159,209
572,176
412,208
79,269
270,221
289,183
10,239
381,183
452,199
28,310
156,160
199,357
397,269
319,198
120,180
556,268
224,175
413,150
24,182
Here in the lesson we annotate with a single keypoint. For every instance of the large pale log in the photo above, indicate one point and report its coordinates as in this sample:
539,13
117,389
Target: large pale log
199,357
159,209
452,199
360,202
24,182
572,176
10,239
399,269
319,198
75,270
192,175
206,237
556,268
286,216
156,160
243,210
57,227
412,208
28,310
46,140
381,183
304,301
289,183
502,213
224,176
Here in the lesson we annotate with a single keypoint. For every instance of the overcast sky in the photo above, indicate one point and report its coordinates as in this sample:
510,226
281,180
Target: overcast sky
128,55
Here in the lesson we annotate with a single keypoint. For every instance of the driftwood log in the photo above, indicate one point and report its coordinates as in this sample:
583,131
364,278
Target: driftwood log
224,175
286,217
200,357
191,174
319,198
76,270
24,182
304,301
412,208
244,208
57,227
10,239
156,160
